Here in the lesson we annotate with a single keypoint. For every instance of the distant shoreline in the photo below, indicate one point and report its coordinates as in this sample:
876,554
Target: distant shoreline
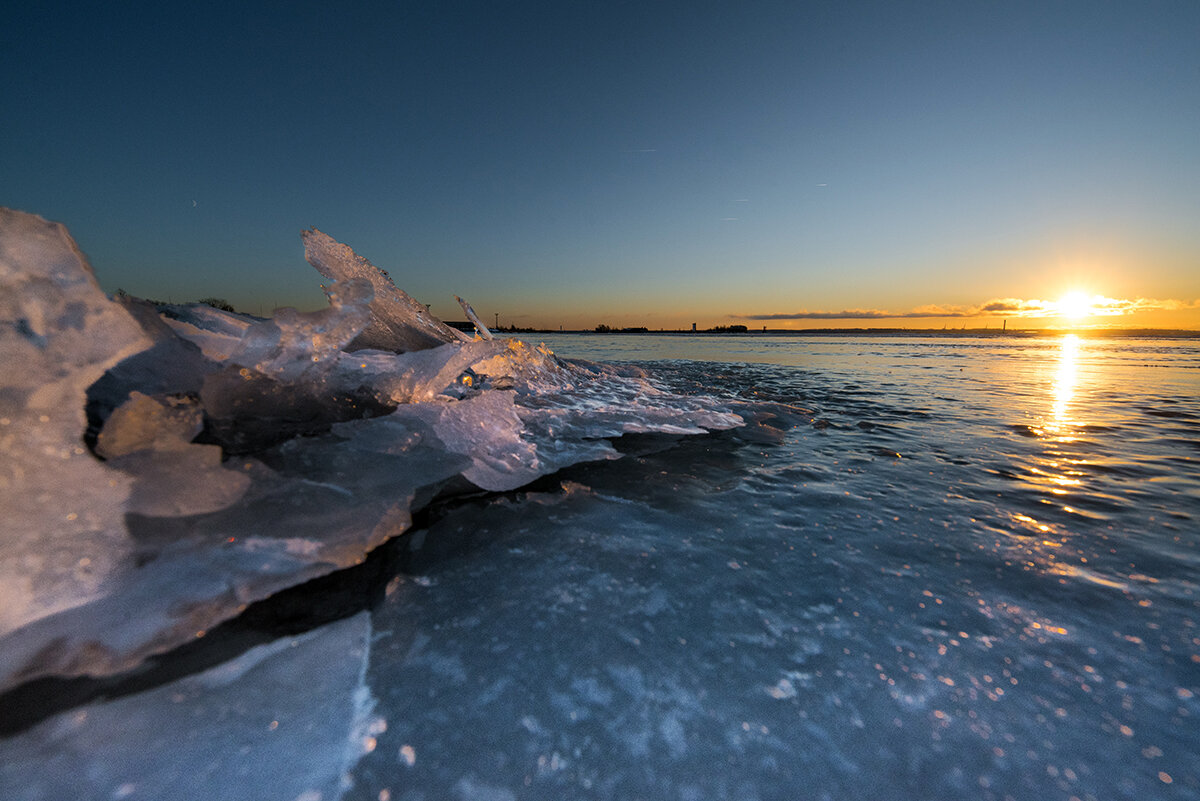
990,333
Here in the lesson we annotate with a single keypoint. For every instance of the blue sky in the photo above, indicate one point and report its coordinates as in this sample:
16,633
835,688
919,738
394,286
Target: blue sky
628,163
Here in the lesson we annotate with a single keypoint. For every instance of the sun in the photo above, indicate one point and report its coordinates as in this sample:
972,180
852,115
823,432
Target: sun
1075,305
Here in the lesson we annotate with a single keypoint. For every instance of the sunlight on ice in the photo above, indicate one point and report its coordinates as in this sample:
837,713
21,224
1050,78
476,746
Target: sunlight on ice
308,456
791,695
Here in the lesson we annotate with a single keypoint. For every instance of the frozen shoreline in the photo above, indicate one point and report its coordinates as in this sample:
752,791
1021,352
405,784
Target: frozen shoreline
946,568
162,472
241,457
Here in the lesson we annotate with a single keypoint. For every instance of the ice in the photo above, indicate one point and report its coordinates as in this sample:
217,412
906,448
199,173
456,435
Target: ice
519,412
452,370
144,423
236,457
216,332
62,534
487,429
480,328
247,729
313,505
294,344
151,440
398,322
171,365
166,467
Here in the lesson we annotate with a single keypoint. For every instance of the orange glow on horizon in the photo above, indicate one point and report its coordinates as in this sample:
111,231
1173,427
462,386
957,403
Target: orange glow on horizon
1076,307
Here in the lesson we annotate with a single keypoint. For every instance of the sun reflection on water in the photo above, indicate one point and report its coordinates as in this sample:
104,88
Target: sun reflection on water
1061,421
1057,472
1057,475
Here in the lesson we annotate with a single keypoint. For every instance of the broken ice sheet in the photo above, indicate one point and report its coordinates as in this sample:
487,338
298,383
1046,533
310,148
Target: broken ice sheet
144,423
171,366
317,471
151,440
313,505
283,721
486,429
287,347
216,332
62,532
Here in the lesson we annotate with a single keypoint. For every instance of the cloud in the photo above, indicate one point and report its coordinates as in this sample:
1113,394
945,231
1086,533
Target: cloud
1012,306
848,314
1099,306
861,314
1113,307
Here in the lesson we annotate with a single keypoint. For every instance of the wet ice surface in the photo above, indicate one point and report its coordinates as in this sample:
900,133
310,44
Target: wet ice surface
244,456
967,571
922,568
167,470
247,729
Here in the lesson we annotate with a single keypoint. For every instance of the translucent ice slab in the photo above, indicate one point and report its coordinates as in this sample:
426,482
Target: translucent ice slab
234,457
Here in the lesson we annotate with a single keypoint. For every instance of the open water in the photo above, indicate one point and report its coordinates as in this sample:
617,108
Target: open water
933,568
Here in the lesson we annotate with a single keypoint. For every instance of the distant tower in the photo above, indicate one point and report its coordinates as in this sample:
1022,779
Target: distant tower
693,326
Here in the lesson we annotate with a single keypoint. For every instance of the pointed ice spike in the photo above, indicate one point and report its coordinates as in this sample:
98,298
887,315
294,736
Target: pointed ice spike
398,322
479,326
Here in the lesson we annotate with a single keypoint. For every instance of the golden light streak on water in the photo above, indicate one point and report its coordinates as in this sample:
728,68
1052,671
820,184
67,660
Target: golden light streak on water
1062,422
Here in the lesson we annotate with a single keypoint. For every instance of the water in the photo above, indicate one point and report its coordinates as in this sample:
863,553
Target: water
933,568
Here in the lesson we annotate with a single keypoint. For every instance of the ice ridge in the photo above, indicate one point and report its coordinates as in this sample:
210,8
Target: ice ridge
232,457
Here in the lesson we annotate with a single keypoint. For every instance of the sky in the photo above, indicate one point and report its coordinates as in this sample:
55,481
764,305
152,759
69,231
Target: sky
779,164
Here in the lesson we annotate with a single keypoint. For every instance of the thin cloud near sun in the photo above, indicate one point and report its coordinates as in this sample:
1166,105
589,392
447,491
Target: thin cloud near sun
1073,305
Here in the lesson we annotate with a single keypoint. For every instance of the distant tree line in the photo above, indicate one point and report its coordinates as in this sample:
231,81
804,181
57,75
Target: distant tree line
606,329
216,303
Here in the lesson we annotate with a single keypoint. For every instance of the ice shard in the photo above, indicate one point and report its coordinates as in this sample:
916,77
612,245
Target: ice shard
151,440
484,333
288,346
247,729
397,321
62,534
238,457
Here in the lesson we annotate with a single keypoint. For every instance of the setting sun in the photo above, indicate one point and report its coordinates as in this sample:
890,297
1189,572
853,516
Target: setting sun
1075,305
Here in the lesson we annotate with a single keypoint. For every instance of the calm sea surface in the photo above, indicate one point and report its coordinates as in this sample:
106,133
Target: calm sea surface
930,568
